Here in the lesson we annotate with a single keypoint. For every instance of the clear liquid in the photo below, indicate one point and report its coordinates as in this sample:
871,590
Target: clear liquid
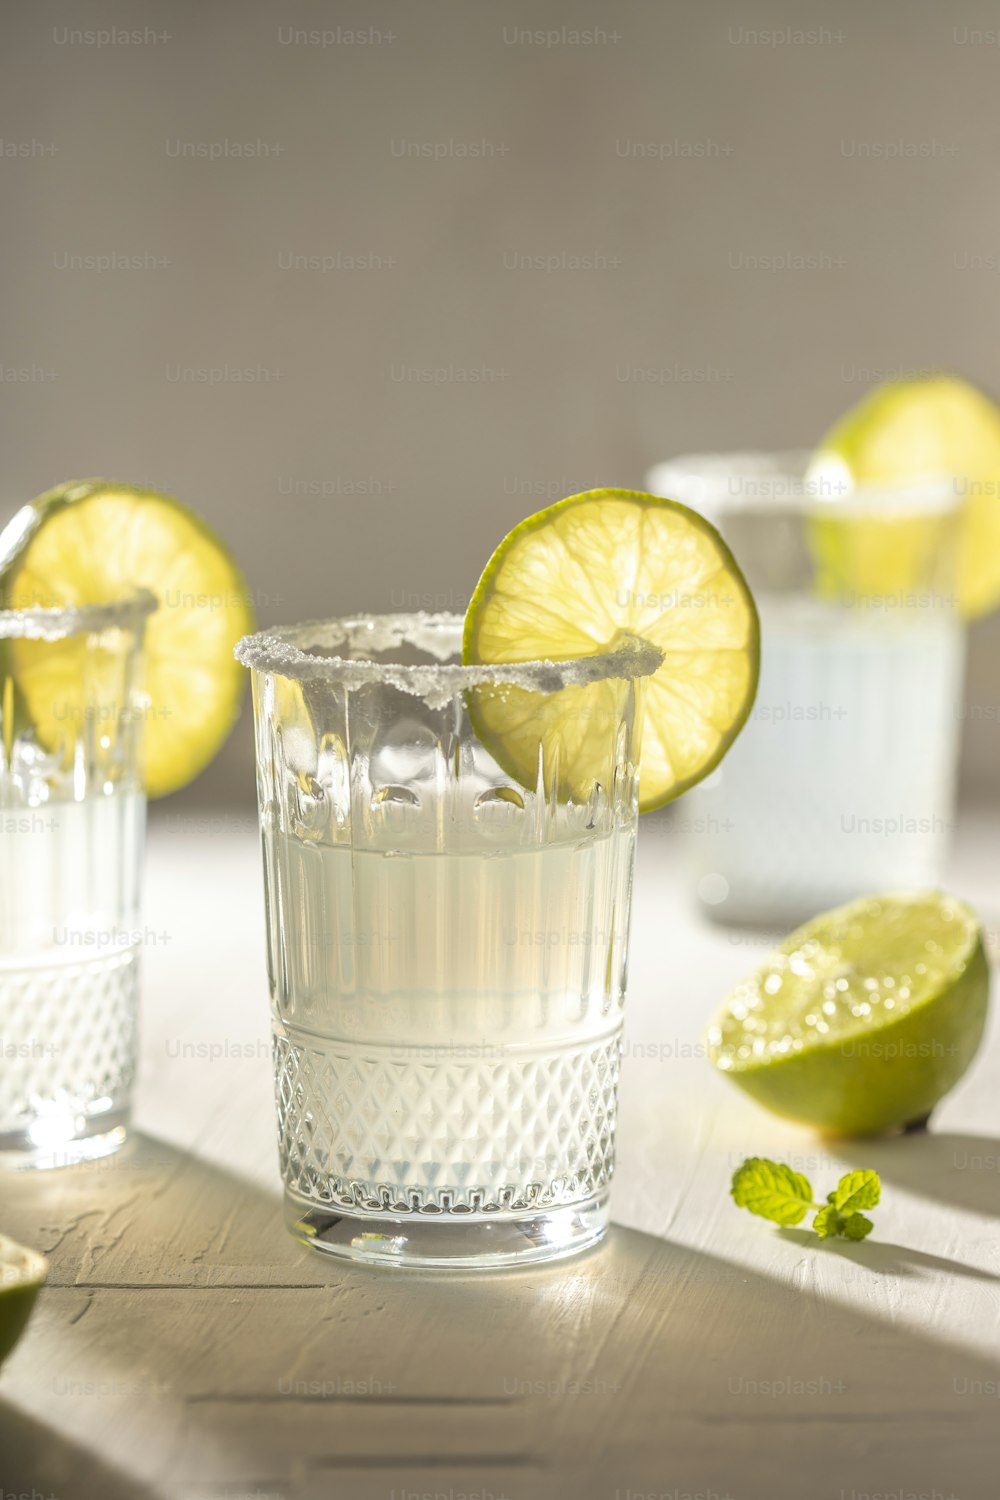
842,781
447,1026
69,882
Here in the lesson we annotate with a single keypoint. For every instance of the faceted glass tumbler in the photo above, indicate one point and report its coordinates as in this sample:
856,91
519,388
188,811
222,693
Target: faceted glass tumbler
842,781
72,820
447,945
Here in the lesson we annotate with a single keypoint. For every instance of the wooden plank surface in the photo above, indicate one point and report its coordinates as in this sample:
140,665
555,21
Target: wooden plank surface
186,1347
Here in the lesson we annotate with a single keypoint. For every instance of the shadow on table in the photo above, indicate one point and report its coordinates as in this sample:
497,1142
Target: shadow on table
639,1361
881,1258
33,1454
945,1166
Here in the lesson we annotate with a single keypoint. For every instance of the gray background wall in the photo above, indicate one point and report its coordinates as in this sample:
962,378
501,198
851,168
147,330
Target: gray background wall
862,138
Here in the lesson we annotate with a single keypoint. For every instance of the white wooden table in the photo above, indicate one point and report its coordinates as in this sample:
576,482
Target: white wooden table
187,1347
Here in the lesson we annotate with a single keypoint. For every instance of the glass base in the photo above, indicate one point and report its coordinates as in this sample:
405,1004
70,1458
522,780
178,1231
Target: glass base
51,1142
459,1242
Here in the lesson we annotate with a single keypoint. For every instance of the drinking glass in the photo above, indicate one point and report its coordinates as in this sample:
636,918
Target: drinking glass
72,818
842,782
446,947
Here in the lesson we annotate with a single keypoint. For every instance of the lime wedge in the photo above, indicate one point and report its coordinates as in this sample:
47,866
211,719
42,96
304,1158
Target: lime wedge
912,430
586,576
22,1272
94,541
862,1019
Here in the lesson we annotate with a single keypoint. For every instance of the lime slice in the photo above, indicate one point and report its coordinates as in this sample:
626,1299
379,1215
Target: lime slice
892,557
911,430
588,575
22,1272
94,541
862,1019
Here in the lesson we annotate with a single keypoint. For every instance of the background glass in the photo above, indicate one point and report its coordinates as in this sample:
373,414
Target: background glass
842,782
72,819
446,948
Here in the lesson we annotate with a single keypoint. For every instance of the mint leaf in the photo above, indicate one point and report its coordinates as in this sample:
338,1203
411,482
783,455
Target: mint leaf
772,1190
856,1226
827,1222
775,1192
830,1222
857,1190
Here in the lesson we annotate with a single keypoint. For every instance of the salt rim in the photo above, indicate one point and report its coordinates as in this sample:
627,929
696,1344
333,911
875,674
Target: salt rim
440,635
58,623
725,484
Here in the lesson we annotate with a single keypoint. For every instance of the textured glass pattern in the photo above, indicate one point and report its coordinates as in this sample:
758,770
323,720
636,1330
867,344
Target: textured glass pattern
69,1045
482,1137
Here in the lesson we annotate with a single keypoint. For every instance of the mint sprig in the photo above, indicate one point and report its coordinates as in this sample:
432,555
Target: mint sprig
773,1191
